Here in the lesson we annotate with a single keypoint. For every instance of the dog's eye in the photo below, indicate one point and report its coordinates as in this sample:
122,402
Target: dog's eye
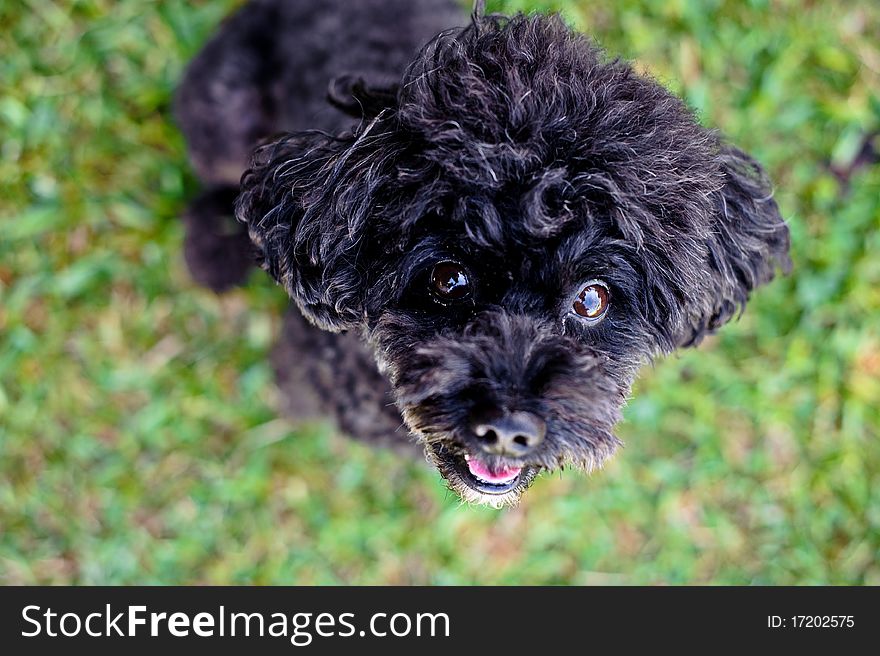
592,302
449,281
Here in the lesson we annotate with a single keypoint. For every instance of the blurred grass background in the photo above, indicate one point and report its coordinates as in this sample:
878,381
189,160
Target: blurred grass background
138,437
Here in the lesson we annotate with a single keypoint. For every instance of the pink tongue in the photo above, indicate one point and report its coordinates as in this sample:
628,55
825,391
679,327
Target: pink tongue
481,471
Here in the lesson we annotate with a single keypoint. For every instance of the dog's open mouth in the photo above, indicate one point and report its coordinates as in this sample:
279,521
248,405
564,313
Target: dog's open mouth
490,480
482,476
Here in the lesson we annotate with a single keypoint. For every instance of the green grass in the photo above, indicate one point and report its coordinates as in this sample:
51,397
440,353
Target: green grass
139,441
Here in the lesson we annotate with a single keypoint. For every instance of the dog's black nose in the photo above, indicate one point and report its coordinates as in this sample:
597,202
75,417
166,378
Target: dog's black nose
510,433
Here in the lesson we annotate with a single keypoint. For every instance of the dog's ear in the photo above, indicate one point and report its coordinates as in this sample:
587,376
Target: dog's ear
297,223
360,99
749,241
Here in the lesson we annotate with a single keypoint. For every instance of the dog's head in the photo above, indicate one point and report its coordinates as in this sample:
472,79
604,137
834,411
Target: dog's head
516,231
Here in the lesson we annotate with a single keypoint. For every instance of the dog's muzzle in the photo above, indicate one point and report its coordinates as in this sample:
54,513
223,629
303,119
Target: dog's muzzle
503,399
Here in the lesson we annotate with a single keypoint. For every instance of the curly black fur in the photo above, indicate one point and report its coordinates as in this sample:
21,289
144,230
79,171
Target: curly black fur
270,69
513,147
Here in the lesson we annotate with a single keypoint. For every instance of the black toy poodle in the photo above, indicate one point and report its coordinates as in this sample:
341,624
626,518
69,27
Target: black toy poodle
487,230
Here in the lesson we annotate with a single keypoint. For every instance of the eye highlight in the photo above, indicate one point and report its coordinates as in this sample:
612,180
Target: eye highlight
592,301
449,281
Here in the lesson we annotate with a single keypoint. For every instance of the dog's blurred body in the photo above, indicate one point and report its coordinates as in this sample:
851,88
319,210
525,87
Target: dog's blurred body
269,69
